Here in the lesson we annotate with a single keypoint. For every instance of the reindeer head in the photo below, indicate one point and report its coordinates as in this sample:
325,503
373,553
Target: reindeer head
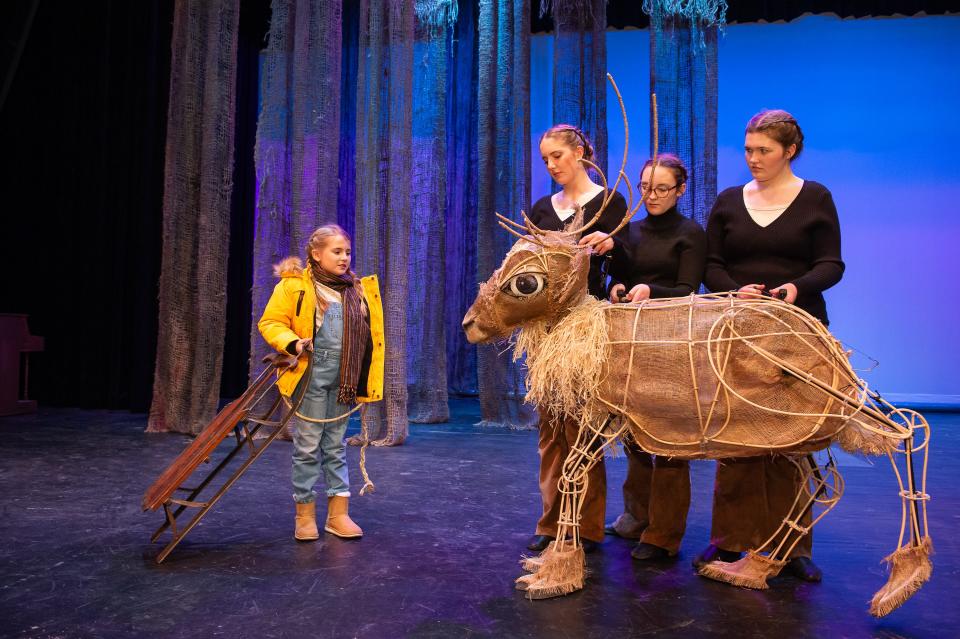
539,280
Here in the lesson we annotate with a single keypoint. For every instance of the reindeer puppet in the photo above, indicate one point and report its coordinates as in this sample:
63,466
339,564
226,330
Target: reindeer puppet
728,377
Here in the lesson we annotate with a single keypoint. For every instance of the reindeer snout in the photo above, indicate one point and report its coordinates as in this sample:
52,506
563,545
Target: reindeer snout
470,328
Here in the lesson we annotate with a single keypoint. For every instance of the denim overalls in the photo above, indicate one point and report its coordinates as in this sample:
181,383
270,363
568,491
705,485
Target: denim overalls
320,402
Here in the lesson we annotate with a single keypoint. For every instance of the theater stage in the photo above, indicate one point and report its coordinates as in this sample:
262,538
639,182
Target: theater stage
453,509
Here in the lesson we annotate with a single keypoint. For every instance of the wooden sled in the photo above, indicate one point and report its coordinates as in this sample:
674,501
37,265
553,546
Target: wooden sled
237,418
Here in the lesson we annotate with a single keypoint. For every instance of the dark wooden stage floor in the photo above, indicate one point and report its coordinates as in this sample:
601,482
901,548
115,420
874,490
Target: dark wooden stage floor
444,530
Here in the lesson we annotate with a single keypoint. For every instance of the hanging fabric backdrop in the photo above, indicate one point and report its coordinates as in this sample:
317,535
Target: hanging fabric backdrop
580,70
383,169
460,254
196,215
683,74
427,354
296,154
405,121
503,183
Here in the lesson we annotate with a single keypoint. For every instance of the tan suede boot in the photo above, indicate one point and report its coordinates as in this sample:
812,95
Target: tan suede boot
306,522
338,519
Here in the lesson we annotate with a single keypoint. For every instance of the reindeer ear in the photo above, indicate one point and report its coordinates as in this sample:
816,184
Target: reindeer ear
572,287
577,220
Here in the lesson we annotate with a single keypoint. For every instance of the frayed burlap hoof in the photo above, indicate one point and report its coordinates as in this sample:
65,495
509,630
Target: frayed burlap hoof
534,563
523,582
750,572
910,568
560,573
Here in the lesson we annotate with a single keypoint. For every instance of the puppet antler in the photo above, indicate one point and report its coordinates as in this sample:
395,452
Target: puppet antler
621,175
533,231
653,168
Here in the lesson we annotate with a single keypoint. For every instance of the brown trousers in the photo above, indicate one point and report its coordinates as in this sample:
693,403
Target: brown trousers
557,437
656,493
751,496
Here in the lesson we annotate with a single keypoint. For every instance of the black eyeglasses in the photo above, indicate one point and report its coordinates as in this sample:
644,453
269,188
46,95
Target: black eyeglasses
659,191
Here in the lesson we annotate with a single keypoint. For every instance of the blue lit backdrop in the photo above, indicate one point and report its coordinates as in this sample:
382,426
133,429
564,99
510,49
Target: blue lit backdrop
878,102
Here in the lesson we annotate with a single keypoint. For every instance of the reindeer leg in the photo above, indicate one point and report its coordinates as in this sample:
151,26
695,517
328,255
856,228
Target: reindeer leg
822,485
910,565
561,568
572,487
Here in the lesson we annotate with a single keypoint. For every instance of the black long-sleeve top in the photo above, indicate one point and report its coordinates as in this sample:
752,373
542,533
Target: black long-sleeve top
667,252
801,246
545,217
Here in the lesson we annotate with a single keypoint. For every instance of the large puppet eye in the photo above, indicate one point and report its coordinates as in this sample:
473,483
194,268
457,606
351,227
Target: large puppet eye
525,284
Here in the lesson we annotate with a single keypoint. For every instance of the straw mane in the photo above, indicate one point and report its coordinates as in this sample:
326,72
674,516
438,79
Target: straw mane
565,362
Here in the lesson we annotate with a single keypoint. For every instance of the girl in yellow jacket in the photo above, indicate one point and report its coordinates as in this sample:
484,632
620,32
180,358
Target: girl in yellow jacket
333,321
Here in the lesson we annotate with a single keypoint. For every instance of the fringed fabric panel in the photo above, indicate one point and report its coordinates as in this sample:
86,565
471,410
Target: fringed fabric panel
297,152
503,182
427,349
683,74
384,166
580,70
198,179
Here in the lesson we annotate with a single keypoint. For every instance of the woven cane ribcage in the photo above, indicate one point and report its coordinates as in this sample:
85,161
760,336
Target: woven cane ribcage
710,376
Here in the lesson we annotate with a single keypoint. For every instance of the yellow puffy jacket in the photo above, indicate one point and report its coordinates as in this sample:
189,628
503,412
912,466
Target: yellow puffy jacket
290,314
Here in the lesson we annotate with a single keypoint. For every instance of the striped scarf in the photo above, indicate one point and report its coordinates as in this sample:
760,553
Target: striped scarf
356,331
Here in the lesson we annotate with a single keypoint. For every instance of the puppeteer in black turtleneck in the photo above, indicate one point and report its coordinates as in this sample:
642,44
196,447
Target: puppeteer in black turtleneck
667,252
801,246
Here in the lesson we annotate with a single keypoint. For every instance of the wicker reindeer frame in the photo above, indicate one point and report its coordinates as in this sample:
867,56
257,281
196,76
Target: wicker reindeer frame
699,377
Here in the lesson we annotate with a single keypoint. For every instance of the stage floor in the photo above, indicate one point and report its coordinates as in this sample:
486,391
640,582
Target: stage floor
444,530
